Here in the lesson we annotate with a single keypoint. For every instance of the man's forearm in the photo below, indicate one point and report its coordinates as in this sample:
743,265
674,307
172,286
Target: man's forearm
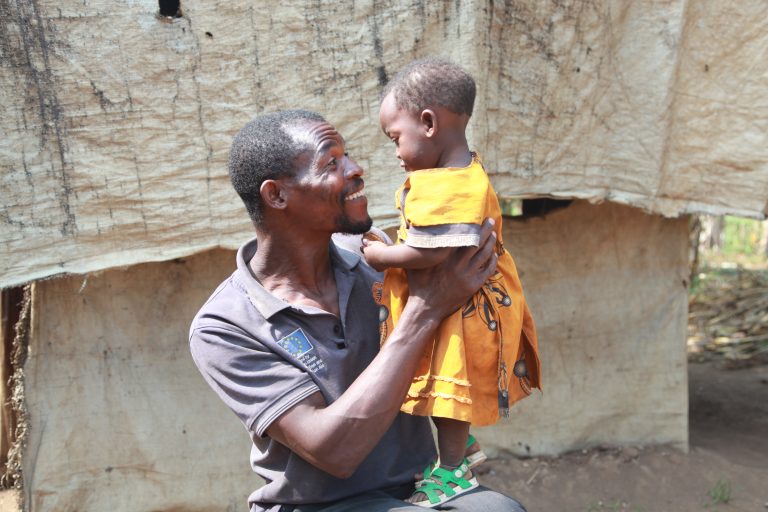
338,437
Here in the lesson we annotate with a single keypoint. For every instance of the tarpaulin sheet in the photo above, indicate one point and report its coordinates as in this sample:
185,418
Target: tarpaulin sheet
116,122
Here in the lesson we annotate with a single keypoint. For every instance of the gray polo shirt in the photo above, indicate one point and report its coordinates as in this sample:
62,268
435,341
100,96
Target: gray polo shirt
262,356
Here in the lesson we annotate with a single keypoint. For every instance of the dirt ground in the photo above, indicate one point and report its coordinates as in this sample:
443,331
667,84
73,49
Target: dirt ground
726,468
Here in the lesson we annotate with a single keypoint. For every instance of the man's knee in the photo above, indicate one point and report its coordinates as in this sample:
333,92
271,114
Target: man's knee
483,500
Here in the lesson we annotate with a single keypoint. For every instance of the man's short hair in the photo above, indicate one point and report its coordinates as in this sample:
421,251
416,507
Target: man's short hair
432,82
265,150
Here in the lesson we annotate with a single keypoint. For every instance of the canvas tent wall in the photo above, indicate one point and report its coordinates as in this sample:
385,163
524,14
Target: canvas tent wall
117,124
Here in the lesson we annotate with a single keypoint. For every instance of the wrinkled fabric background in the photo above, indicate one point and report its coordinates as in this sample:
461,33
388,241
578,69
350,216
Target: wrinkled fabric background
116,122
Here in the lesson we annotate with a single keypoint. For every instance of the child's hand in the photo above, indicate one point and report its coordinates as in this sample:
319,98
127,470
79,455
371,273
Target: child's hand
374,253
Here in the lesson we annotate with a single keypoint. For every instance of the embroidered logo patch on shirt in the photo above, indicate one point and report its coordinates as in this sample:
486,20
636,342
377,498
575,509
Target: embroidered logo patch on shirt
296,343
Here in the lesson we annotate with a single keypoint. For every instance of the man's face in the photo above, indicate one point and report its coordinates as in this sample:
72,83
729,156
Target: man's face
328,187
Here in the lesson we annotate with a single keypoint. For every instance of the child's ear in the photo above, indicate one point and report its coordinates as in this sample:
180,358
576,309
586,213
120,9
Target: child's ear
273,194
429,122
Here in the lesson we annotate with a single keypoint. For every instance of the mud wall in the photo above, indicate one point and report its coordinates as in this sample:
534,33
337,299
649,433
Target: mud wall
121,420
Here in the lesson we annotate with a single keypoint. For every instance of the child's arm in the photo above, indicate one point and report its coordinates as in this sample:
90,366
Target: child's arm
382,256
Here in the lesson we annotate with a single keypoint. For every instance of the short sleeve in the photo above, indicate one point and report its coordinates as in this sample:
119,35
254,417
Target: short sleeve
445,207
256,384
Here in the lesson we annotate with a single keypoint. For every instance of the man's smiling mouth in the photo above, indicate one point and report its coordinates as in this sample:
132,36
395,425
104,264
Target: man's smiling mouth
356,195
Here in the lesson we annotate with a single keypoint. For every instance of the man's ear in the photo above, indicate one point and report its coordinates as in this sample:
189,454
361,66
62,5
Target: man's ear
273,194
429,122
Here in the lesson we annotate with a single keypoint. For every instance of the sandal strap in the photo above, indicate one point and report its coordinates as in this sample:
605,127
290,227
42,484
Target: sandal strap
428,470
471,463
441,480
454,476
430,489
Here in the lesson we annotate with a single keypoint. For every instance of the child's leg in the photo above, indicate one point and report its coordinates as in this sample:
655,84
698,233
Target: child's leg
452,445
451,441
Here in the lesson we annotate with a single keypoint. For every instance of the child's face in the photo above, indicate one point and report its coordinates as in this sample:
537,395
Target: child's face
414,146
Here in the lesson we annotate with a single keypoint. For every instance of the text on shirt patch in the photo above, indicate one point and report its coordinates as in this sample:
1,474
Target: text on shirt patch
298,345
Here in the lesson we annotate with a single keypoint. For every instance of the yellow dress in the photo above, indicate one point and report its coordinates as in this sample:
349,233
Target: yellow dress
484,356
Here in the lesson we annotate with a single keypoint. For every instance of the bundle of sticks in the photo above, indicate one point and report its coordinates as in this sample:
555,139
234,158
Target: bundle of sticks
728,316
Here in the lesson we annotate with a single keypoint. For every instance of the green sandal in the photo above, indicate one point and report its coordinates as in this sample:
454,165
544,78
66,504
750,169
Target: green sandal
473,460
444,485
477,457
428,472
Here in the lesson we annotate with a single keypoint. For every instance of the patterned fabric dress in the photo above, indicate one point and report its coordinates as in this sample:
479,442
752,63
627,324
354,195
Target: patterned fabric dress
485,356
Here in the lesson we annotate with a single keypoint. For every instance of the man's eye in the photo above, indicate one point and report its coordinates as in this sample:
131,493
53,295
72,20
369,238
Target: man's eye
332,163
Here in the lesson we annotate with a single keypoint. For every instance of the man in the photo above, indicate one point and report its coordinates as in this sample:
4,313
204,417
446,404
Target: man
290,341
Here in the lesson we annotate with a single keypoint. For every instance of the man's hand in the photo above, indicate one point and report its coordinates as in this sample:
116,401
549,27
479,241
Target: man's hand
446,287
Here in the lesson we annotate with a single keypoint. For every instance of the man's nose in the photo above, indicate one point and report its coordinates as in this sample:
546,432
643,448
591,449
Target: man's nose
352,169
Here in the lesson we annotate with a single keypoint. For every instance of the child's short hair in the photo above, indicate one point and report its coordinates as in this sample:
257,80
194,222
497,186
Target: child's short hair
431,82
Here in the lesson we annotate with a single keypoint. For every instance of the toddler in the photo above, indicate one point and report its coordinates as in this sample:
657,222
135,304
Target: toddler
484,356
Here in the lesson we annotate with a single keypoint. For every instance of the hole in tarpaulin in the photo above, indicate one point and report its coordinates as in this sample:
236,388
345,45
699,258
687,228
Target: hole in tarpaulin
541,206
170,8
535,207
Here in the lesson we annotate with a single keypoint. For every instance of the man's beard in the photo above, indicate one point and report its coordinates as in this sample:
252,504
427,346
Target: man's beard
346,225
349,227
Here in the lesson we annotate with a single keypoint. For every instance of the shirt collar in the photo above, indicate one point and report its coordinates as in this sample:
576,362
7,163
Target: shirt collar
264,301
343,258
